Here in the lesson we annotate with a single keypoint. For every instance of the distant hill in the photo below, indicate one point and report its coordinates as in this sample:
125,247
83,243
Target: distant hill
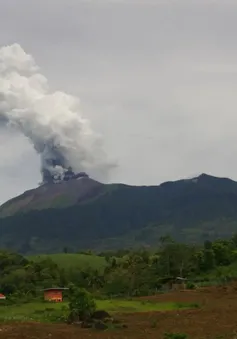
85,214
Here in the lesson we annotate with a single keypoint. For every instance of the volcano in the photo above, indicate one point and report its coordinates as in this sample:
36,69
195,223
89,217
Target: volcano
73,189
82,213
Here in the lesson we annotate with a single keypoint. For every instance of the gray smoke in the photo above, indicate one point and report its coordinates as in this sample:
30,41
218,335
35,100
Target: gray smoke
50,120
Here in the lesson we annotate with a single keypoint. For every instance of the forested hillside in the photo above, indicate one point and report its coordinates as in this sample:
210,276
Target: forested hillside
117,216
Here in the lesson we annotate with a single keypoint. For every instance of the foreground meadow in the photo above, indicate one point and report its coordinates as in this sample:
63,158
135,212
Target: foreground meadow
48,312
144,318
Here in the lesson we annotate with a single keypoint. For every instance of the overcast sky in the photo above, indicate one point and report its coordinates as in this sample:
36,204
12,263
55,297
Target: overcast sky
158,79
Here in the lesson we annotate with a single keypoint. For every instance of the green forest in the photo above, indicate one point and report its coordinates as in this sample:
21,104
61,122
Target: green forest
121,273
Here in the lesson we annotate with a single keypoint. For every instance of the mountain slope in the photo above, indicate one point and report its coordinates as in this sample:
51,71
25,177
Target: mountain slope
100,216
65,194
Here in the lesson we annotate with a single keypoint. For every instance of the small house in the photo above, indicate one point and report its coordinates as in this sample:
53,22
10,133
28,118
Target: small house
179,284
54,294
173,283
2,296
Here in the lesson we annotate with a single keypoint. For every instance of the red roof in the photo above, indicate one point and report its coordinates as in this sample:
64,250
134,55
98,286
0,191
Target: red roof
2,296
55,289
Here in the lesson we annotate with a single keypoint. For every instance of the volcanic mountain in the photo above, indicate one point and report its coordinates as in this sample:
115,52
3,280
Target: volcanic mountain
60,195
83,213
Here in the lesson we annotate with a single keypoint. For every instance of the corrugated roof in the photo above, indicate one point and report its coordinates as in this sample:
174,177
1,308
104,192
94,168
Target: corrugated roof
55,288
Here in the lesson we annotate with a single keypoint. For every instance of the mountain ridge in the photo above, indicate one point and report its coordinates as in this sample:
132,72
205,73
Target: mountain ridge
87,214
90,184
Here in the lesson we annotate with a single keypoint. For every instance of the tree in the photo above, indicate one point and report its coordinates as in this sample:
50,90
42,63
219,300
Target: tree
175,259
65,250
118,282
223,250
208,259
81,304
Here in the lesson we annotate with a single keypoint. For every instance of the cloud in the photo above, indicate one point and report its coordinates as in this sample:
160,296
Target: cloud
51,121
157,80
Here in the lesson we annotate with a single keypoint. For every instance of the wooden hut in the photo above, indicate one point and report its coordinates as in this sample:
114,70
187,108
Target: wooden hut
179,284
173,283
2,296
54,294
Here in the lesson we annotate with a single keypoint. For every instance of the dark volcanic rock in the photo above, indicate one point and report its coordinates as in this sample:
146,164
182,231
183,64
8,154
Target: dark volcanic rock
100,315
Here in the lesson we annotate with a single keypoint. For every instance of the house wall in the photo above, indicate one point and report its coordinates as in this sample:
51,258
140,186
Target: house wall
53,296
179,287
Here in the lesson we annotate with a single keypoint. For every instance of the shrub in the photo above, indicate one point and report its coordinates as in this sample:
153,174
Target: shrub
81,304
191,286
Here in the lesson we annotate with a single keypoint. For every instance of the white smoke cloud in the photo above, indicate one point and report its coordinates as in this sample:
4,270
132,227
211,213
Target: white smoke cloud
50,120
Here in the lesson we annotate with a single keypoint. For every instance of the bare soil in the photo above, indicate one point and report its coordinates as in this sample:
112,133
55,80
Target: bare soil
216,318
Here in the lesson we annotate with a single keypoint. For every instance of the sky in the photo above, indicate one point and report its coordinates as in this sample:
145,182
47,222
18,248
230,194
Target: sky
156,78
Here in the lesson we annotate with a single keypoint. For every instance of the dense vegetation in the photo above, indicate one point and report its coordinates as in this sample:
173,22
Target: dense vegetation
121,216
127,273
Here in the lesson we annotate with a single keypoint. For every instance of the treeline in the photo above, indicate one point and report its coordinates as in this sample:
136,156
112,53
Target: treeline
130,273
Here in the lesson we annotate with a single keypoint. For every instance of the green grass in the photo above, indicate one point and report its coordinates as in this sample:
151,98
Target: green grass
28,312
71,260
47,312
119,305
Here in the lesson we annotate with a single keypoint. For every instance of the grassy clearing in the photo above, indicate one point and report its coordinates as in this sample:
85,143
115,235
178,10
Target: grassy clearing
40,311
71,260
119,305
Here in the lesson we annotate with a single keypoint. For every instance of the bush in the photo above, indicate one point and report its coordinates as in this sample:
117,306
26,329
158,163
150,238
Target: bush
190,286
101,315
81,304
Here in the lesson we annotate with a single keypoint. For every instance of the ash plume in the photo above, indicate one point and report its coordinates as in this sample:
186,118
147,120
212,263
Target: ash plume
50,120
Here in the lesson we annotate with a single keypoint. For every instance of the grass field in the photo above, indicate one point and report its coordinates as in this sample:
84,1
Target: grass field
215,318
40,311
71,260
